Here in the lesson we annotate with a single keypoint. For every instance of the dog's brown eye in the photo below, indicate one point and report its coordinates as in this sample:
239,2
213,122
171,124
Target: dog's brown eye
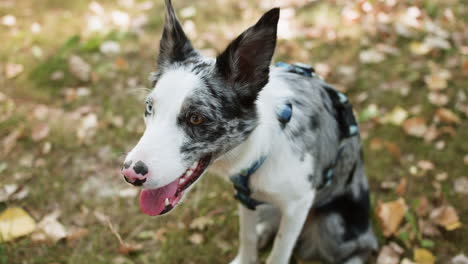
196,119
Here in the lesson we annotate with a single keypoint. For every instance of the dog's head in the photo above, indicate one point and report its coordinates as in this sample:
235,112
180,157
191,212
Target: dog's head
199,109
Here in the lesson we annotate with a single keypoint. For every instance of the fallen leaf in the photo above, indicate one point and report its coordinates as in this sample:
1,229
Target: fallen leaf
419,48
460,185
388,255
110,47
393,149
9,20
76,233
436,81
401,188
441,176
438,99
14,223
87,127
396,116
201,222
129,248
390,215
427,228
79,68
407,261
426,165
415,126
446,216
447,116
196,238
460,259
431,134
12,70
371,56
51,228
40,132
436,42
6,191
423,256
9,142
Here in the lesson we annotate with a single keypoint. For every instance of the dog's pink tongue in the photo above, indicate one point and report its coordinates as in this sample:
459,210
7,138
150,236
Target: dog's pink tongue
152,201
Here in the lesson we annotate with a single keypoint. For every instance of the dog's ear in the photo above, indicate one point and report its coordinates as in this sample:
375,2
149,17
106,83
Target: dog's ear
245,62
174,45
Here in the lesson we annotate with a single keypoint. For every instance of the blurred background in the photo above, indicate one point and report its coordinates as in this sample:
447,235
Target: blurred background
73,75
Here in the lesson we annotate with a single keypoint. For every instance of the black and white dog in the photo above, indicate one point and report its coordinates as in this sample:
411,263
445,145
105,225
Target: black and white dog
288,140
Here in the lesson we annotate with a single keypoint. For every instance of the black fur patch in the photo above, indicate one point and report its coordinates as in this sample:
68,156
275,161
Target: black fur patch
353,210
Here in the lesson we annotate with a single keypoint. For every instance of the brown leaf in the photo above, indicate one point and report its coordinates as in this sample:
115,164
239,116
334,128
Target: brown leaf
393,149
401,188
40,132
423,256
431,134
129,248
447,116
446,216
76,233
415,126
390,215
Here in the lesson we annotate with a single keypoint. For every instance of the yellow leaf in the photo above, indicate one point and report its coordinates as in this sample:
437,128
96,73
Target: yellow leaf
14,223
446,216
423,256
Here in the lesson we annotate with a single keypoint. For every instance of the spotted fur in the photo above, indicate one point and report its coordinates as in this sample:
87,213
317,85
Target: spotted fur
237,95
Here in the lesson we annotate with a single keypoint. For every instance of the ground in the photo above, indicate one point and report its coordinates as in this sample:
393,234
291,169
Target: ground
73,75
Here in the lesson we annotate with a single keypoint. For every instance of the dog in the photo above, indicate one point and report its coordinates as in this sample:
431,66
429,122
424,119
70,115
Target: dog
288,140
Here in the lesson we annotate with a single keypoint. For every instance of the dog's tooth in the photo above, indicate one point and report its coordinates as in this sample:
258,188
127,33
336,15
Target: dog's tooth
166,202
182,180
195,165
188,173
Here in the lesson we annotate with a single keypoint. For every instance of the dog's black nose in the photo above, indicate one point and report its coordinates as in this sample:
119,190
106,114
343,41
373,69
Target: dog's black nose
140,168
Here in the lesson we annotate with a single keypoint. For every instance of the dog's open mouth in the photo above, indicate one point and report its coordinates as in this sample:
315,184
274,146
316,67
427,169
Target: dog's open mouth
161,200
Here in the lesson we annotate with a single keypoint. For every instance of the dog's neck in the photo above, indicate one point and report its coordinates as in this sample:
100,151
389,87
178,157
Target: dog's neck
259,143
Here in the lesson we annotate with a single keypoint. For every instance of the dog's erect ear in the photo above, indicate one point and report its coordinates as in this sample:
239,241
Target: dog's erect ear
246,61
174,45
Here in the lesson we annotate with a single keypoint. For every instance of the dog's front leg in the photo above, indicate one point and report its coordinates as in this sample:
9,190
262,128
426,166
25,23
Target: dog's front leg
247,237
293,216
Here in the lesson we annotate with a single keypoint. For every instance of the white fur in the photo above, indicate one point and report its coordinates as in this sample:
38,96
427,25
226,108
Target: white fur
282,180
159,147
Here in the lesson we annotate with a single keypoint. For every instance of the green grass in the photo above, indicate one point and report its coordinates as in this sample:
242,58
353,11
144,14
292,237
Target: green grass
58,183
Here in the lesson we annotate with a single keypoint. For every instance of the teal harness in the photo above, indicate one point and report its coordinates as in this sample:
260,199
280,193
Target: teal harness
347,125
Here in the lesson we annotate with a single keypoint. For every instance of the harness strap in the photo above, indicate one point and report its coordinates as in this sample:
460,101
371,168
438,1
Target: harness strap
241,184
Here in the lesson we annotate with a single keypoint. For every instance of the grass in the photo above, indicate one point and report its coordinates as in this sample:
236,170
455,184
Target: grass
57,180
